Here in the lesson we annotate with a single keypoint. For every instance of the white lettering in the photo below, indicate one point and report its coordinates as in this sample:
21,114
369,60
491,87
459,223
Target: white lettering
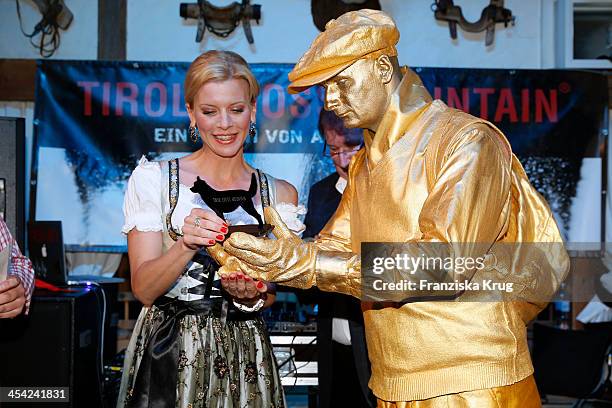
159,135
170,135
316,137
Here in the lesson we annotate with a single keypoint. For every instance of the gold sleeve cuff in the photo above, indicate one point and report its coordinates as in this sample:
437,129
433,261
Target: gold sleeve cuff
339,272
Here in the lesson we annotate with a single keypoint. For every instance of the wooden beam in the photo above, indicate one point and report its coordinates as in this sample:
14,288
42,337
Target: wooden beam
17,79
112,29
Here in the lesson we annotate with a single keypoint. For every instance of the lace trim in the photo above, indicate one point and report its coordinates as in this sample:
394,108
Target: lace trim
292,216
142,228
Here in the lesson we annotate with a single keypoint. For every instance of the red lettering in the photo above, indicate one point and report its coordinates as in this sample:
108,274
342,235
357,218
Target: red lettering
454,102
106,86
505,106
484,102
87,88
437,92
300,102
267,98
176,101
121,98
544,104
163,99
525,105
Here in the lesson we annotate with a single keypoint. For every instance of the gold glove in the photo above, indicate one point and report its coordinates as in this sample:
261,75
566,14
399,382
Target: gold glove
218,254
228,263
287,259
292,262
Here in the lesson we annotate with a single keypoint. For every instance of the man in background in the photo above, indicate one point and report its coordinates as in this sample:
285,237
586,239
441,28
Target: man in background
343,363
16,290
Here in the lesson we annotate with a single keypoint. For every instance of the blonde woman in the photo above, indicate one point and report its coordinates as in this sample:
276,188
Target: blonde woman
196,344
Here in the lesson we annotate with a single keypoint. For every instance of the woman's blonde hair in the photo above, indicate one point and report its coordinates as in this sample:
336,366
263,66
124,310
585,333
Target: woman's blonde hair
218,66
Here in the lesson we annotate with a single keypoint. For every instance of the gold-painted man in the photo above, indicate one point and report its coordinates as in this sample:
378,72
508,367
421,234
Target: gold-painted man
428,173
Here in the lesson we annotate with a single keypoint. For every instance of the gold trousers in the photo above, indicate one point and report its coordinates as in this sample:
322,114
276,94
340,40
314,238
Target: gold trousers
523,394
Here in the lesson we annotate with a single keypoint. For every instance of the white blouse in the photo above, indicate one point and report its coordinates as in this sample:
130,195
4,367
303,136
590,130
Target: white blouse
146,204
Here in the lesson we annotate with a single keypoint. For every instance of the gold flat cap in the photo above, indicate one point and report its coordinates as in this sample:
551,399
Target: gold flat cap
354,35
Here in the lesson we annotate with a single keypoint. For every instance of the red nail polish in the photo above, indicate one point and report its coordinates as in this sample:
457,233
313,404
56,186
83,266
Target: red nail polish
220,237
247,278
211,242
259,285
223,230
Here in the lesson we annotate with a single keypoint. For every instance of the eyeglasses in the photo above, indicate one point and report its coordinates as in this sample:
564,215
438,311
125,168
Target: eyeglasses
328,153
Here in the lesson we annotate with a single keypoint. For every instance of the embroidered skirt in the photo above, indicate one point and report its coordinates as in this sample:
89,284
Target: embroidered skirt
219,365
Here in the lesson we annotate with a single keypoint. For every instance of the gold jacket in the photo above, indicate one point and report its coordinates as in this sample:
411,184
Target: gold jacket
435,174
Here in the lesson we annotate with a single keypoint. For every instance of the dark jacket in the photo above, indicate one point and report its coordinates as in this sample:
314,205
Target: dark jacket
323,200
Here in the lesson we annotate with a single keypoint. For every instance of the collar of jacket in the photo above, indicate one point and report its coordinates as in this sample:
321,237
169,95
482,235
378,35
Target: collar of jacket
408,101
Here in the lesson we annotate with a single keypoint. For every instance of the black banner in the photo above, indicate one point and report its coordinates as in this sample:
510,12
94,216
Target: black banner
94,120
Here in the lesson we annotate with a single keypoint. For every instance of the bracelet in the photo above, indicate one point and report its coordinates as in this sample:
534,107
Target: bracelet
250,309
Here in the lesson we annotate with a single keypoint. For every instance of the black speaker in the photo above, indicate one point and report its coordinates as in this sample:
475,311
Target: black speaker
57,345
12,176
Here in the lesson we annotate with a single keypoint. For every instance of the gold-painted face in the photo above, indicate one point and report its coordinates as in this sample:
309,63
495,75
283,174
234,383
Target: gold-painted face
357,95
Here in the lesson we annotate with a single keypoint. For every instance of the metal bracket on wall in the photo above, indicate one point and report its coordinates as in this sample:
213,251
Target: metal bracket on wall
445,10
222,21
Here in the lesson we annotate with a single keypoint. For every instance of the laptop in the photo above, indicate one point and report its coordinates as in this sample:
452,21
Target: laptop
46,251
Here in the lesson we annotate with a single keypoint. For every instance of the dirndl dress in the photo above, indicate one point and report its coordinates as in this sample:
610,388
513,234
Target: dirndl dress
192,347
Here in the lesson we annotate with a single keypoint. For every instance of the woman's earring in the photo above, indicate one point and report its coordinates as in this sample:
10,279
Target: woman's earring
252,130
194,134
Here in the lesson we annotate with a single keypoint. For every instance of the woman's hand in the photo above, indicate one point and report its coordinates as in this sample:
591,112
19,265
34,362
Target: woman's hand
242,288
203,228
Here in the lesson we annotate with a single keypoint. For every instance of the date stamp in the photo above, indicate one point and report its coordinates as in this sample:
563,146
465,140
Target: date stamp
34,394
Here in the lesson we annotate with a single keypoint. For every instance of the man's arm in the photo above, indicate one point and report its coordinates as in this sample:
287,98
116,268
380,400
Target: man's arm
22,267
16,291
337,268
470,199
292,262
467,205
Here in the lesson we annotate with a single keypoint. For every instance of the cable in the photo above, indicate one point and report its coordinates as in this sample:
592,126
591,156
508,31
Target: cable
47,26
296,371
295,354
290,355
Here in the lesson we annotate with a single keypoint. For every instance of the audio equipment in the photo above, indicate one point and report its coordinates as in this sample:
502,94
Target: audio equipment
56,345
12,176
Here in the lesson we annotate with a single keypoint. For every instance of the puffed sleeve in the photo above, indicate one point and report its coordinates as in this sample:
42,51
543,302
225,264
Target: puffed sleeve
142,206
292,216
